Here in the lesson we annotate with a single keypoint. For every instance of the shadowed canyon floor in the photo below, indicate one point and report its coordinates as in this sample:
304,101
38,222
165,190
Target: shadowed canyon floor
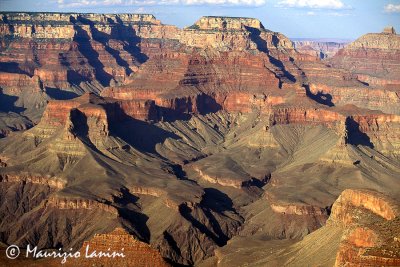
220,144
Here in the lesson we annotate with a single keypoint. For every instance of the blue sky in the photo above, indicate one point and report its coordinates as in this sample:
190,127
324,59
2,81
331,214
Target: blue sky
347,19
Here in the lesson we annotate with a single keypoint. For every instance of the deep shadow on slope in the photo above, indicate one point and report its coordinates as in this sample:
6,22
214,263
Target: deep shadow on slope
218,237
321,98
217,200
58,94
355,136
142,135
263,47
12,67
86,49
213,202
135,220
7,103
119,32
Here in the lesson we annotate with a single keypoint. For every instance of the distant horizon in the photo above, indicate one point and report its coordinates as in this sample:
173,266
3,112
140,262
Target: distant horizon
307,19
331,39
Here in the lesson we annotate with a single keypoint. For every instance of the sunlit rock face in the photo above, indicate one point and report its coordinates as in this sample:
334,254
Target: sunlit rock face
365,240
219,144
374,57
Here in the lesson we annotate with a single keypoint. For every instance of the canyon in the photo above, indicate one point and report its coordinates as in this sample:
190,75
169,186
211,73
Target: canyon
321,49
220,144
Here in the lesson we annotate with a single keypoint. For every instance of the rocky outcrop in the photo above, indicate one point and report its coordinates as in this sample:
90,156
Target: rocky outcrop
365,242
139,109
374,55
379,130
224,181
389,30
19,81
136,253
98,112
289,115
301,210
368,98
155,192
372,201
218,132
73,204
227,33
226,23
117,247
52,182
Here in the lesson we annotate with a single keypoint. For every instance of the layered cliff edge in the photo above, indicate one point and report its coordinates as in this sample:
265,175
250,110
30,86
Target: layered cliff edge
60,56
374,57
170,177
362,230
198,136
47,56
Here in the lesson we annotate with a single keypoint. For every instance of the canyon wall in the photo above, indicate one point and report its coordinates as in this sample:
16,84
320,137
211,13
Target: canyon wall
372,55
318,49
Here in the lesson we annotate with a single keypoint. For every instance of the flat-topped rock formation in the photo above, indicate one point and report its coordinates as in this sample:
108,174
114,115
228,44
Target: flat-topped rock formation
60,25
232,33
226,23
389,30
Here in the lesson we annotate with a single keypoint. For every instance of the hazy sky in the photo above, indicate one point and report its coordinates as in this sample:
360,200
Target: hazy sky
346,19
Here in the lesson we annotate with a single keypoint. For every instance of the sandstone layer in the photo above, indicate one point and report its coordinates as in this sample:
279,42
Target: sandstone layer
374,57
202,142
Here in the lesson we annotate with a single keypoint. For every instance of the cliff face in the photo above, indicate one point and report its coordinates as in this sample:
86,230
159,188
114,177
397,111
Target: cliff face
227,33
77,47
365,242
375,56
92,115
318,49
362,230
226,23
65,55
194,140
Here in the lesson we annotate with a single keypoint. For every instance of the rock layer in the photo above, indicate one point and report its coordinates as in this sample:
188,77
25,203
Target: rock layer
372,55
203,139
